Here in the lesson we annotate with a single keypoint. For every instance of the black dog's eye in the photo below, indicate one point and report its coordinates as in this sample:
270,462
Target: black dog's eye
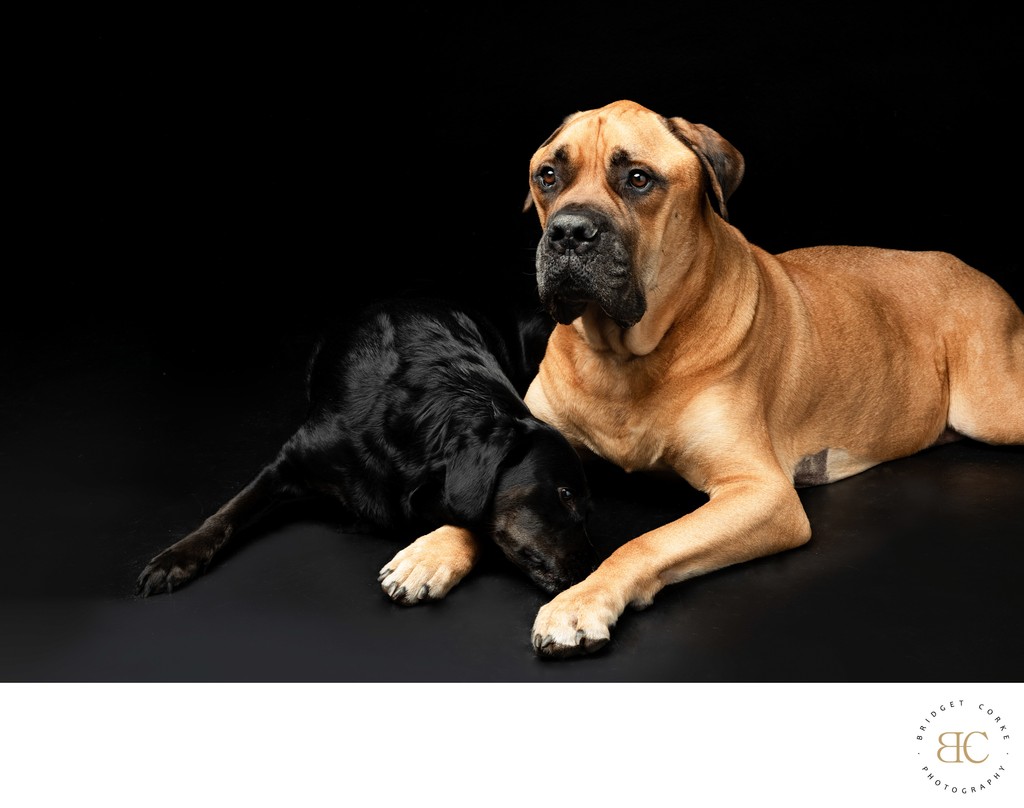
639,179
566,495
547,176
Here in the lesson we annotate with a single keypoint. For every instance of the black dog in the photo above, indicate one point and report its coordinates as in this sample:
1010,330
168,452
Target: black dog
416,423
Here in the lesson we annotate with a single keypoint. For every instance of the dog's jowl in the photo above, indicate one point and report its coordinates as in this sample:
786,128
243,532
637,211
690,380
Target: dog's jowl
416,425
681,346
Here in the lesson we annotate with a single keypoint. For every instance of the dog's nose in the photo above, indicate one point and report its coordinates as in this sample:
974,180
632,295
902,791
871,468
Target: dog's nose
572,231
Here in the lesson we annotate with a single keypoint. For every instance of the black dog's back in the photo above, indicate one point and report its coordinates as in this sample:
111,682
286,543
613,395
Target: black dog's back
394,391
513,339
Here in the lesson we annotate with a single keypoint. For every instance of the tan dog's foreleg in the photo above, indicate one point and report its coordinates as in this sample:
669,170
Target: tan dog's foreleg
742,520
429,567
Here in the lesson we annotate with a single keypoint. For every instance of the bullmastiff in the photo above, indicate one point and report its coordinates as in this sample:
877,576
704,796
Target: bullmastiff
682,347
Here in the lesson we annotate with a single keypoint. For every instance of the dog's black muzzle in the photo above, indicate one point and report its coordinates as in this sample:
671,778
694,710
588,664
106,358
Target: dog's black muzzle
582,258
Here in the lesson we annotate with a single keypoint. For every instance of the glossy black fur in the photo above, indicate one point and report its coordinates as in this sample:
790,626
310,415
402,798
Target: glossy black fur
416,419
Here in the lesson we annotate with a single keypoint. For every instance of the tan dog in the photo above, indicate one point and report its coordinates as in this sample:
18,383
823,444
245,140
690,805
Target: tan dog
683,347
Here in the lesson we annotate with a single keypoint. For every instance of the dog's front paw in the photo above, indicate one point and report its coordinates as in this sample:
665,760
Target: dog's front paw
578,621
410,581
429,567
168,571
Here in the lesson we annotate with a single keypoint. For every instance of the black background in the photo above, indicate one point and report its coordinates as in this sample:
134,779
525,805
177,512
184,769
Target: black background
213,177
198,195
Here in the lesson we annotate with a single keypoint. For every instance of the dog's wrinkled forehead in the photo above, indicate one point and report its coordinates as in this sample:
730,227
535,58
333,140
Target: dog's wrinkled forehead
622,131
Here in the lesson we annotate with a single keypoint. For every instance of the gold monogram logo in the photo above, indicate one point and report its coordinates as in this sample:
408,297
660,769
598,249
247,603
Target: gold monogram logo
961,747
981,738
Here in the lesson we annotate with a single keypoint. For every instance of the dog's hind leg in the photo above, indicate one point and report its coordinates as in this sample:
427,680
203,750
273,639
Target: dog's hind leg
429,567
189,557
987,378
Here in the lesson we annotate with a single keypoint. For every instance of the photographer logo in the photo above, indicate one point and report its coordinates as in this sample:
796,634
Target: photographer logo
963,747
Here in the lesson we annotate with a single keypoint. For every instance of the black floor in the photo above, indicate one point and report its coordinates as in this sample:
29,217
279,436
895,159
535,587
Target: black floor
113,448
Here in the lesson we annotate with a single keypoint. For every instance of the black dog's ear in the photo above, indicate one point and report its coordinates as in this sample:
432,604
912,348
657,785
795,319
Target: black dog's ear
472,466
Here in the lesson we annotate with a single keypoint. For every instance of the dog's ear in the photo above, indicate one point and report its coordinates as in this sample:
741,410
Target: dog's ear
723,163
473,462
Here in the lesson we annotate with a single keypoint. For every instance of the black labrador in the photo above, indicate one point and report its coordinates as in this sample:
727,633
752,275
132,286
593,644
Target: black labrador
416,423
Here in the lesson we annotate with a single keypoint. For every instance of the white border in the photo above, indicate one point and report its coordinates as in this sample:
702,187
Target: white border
479,744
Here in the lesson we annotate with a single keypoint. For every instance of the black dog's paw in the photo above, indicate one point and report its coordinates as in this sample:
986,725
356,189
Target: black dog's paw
168,571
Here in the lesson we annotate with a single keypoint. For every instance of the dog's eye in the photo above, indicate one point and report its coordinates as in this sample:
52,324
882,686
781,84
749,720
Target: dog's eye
547,176
639,179
566,494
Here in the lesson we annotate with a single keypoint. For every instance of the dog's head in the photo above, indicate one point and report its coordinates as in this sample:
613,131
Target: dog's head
528,487
619,191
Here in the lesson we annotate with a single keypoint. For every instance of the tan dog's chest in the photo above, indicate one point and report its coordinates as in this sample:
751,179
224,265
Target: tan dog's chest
613,408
